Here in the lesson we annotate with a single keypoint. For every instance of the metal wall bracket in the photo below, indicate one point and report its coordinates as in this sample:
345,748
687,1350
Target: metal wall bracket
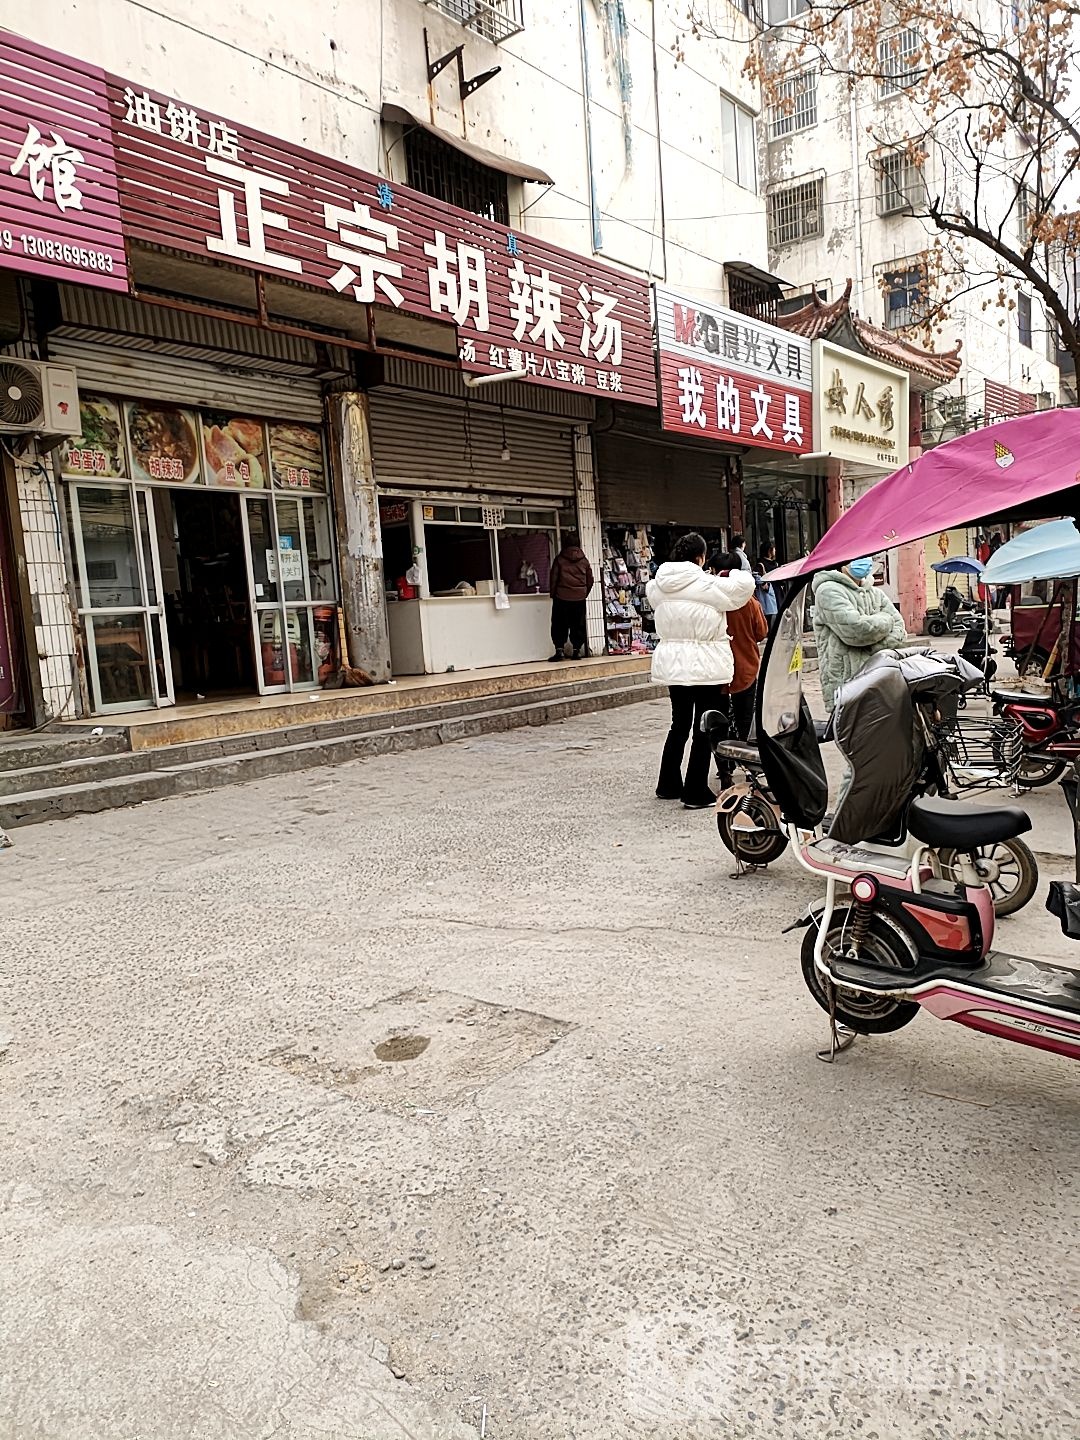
465,87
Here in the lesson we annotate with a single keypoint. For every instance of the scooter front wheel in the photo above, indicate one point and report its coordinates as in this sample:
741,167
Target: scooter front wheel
753,847
883,946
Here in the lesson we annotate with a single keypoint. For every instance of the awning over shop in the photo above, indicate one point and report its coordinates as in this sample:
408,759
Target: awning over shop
398,115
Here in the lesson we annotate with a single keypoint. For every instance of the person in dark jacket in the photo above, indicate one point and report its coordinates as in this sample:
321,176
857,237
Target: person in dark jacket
571,584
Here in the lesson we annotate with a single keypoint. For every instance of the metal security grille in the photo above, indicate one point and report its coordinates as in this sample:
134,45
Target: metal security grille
896,54
749,297
900,183
795,213
495,20
753,10
905,298
795,107
446,174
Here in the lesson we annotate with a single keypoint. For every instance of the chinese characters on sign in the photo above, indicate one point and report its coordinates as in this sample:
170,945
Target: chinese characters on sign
732,377
861,408
520,306
59,203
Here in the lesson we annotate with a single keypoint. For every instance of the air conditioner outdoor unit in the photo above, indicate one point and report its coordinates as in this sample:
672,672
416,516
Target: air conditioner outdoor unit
38,401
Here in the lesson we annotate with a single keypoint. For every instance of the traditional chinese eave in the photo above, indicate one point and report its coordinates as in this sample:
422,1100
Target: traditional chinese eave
836,321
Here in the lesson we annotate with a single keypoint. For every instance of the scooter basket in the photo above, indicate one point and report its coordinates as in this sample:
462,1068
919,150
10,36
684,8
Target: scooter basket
983,752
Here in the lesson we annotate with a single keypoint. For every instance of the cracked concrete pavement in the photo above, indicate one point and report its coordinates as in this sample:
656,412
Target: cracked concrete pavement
614,1195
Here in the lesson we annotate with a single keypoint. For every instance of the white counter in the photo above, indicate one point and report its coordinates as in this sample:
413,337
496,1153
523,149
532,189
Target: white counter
466,632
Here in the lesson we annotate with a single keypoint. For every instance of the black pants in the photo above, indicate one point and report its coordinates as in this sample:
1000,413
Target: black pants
567,623
688,704
742,711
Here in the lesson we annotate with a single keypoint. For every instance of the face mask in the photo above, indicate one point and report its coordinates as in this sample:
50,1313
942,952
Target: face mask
860,569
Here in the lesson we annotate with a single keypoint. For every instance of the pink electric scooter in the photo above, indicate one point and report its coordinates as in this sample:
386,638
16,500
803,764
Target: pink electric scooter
889,939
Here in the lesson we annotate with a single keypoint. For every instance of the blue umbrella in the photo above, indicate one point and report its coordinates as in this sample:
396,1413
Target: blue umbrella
960,565
1045,552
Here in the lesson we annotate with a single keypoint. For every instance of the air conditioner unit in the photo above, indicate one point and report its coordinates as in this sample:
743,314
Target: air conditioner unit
38,401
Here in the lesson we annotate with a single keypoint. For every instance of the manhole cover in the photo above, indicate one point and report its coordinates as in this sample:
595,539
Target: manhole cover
402,1047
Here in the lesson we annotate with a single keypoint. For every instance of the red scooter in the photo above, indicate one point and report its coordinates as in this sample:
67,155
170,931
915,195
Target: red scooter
1051,732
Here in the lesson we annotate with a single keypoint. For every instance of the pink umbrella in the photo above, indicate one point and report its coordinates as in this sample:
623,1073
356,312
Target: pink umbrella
985,473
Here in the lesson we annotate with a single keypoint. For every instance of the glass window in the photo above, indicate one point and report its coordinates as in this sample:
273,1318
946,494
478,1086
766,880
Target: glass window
525,560
1023,318
442,512
456,555
320,549
290,557
739,144
123,658
262,551
112,579
747,145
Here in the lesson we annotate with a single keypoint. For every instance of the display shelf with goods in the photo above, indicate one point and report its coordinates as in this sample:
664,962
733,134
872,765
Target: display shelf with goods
629,564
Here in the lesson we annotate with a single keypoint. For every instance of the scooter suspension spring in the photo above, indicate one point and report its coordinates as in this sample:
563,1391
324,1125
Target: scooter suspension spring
860,925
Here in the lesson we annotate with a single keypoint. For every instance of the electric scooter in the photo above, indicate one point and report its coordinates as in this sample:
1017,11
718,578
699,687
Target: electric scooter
891,937
751,826
1050,730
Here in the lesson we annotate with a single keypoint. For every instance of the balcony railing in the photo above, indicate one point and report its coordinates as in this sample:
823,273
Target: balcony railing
495,20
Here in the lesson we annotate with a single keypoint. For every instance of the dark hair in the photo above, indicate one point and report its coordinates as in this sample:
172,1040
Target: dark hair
724,560
763,553
690,547
738,541
570,538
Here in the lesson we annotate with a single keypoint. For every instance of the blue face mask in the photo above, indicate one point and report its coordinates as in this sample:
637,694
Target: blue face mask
860,569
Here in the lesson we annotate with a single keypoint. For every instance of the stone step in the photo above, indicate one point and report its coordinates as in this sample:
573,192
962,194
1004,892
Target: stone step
19,751
81,770
210,771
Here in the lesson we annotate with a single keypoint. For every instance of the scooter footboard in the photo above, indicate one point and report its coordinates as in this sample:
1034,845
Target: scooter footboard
1012,997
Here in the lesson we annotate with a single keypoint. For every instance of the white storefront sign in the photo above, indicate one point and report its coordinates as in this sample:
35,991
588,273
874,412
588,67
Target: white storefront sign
860,408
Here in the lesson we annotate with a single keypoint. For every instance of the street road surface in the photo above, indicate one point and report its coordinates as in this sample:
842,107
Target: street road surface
464,1091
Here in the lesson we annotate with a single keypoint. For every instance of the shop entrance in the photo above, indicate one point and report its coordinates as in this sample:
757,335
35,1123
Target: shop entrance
200,536
196,593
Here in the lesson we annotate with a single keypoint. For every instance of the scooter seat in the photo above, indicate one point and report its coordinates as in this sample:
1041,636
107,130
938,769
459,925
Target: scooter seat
741,752
962,825
1007,697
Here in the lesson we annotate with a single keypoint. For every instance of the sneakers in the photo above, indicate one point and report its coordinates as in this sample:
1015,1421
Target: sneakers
557,656
668,794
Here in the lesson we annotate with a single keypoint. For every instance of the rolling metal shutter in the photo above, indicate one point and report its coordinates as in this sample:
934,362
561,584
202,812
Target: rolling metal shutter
242,389
433,443
643,481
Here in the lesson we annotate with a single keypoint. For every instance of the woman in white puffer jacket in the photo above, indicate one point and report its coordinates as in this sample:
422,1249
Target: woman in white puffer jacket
693,659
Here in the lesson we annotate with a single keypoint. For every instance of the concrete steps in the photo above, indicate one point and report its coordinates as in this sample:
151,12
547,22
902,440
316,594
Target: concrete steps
81,776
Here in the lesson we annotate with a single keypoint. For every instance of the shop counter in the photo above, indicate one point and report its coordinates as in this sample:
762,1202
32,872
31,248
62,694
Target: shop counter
467,632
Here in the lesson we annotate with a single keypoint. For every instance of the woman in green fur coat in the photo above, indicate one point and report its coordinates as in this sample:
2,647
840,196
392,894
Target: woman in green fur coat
853,619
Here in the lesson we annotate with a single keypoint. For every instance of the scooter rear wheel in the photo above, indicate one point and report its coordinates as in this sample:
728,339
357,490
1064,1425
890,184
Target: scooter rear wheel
758,848
1037,770
884,946
936,628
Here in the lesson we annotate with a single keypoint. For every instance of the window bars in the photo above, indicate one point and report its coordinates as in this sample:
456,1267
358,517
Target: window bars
495,20
897,69
795,213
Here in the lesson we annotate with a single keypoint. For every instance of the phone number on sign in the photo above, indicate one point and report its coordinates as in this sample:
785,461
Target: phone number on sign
44,249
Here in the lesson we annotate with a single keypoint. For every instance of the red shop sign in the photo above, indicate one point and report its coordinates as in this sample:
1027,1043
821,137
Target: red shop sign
192,181
59,207
732,377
